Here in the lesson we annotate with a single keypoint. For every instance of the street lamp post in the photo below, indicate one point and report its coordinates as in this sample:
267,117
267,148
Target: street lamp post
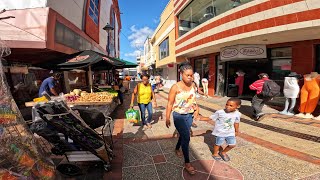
108,28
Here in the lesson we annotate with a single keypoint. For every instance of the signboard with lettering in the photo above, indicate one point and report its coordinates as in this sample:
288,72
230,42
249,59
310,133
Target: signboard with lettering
107,59
78,59
243,52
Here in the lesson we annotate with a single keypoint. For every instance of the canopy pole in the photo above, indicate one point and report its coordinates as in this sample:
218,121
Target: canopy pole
90,79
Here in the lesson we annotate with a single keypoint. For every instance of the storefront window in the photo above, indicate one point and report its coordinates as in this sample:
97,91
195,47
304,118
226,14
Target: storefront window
201,66
281,62
112,51
67,37
94,11
198,12
164,49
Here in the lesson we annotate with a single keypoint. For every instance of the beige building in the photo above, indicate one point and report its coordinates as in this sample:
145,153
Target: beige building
53,28
163,46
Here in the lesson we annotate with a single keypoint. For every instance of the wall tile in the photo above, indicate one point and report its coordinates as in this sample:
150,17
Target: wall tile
313,4
295,7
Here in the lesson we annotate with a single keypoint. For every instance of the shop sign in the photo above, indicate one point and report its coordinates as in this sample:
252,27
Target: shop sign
243,52
107,59
78,59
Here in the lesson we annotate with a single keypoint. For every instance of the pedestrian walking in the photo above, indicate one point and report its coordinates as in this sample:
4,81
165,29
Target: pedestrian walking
265,89
145,95
226,128
182,101
205,83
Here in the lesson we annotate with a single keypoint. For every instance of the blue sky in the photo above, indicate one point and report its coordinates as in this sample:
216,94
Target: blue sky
139,19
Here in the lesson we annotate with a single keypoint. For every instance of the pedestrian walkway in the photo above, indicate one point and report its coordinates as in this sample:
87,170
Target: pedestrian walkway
275,148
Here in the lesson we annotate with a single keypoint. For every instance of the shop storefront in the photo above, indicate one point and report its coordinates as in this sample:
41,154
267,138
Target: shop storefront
249,61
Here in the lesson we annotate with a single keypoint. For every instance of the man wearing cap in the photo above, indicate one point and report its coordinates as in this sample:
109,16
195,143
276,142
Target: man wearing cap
48,85
258,100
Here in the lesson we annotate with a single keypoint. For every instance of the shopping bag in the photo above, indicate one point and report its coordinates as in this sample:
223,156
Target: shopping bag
133,116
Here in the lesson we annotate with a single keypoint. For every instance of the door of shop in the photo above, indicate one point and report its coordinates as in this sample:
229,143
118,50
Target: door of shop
220,77
251,68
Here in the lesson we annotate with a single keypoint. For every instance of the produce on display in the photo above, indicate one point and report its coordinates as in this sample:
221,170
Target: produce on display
40,99
109,90
83,96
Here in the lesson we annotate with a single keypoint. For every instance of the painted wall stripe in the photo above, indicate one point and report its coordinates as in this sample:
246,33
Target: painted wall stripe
264,24
237,15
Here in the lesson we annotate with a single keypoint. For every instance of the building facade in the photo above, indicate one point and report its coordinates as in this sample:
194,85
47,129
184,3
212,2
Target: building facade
163,42
222,37
44,29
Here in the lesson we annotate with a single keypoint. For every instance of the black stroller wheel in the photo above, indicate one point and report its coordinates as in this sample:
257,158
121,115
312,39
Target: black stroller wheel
69,169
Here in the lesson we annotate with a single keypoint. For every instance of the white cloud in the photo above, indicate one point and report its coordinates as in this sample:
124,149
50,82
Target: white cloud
138,36
133,54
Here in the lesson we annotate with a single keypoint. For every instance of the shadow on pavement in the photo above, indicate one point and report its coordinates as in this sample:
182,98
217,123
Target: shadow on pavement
246,110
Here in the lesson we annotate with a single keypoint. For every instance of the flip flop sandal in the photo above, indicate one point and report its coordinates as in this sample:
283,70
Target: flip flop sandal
190,170
217,158
225,157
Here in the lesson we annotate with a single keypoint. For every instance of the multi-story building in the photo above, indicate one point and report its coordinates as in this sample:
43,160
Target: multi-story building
39,31
222,37
163,42
148,53
45,29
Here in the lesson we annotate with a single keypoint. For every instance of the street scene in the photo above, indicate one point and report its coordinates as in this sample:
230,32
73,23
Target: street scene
161,90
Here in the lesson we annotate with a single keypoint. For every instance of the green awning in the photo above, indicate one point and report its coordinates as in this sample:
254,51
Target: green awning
82,60
127,64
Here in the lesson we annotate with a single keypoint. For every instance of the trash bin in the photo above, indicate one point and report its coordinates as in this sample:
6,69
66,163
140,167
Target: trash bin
232,90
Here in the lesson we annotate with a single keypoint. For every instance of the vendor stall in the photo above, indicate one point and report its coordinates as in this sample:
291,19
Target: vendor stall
88,61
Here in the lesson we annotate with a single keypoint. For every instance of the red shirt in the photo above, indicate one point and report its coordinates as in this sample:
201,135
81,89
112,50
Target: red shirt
258,85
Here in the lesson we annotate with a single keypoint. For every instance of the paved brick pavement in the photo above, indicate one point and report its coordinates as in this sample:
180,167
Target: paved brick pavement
278,147
275,148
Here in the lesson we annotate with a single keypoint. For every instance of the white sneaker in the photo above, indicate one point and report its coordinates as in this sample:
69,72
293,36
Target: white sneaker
308,116
300,115
316,118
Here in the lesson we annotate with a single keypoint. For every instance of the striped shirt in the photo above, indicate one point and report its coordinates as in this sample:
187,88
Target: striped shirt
258,85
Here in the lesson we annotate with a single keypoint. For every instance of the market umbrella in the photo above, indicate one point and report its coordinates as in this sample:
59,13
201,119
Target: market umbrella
127,64
88,60
84,59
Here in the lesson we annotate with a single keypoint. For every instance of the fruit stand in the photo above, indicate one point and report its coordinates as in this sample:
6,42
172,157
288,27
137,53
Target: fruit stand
105,101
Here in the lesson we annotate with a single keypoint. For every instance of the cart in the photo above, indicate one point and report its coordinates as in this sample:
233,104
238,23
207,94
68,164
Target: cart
72,138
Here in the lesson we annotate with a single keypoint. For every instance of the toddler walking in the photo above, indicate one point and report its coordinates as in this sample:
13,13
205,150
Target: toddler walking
226,128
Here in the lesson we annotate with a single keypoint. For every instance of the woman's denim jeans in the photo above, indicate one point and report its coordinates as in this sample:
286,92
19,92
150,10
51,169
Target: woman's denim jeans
143,108
183,123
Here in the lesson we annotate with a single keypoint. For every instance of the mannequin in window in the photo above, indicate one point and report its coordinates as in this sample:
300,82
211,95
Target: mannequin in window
236,3
309,96
291,91
239,81
210,13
